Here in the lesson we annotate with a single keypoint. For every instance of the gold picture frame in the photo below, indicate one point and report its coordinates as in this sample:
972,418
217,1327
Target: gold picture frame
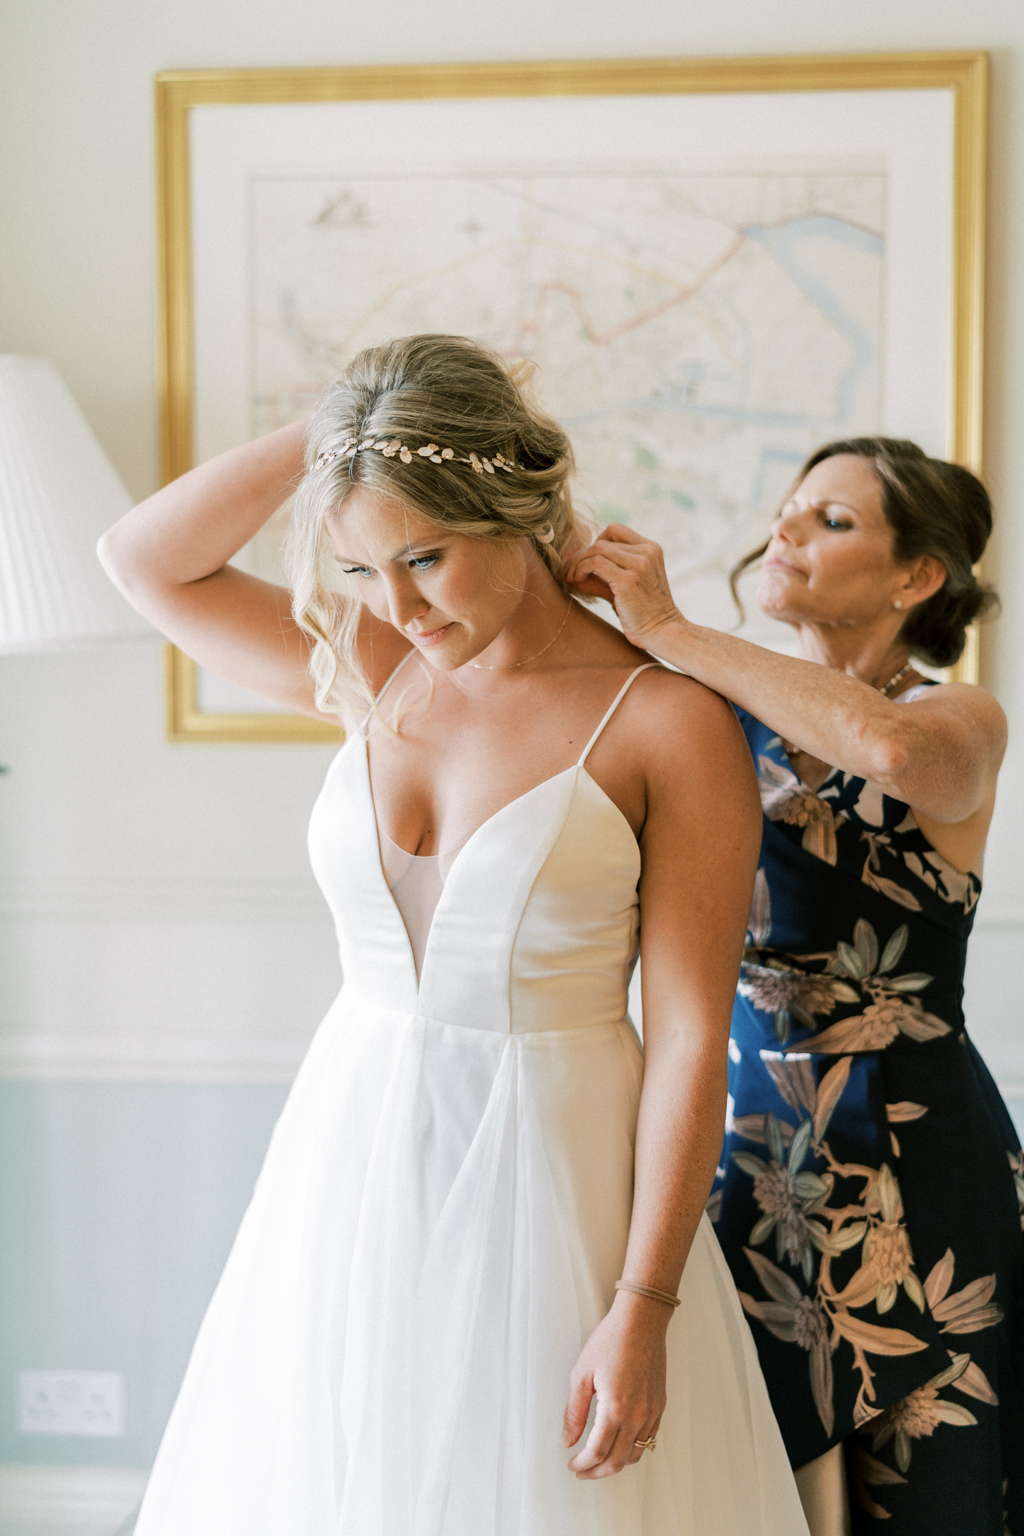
963,74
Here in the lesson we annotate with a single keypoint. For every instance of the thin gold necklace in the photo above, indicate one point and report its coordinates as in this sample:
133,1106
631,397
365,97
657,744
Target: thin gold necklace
511,666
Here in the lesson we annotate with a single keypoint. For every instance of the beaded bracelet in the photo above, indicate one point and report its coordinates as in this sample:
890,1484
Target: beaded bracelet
648,1290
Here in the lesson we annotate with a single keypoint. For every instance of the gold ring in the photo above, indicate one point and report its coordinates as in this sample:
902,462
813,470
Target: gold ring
645,1445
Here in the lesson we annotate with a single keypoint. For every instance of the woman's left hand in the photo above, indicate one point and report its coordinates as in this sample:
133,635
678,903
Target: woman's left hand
628,571
622,1364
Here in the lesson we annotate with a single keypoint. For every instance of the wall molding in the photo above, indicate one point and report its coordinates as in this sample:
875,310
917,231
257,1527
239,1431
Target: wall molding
87,1496
133,900
218,981
188,1060
123,1056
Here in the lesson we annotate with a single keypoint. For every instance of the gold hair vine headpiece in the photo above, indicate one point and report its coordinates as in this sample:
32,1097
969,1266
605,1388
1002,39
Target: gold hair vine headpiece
393,447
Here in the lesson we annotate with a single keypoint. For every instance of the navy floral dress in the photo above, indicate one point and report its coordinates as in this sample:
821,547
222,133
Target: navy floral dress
871,1189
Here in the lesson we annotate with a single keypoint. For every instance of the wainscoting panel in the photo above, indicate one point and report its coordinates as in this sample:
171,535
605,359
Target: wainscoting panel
187,982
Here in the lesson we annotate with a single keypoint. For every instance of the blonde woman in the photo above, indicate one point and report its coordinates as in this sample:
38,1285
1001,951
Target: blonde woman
475,1285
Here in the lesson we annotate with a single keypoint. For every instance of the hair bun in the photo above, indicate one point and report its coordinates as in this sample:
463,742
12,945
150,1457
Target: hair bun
936,630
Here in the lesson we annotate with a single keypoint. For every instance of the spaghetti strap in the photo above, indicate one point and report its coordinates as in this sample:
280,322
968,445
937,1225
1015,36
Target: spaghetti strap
365,722
391,677
613,706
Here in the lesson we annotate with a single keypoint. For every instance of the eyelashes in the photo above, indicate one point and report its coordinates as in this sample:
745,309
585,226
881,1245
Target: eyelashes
417,563
841,520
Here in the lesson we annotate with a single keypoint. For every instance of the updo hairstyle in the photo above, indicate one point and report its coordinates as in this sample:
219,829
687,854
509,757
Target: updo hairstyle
445,390
934,508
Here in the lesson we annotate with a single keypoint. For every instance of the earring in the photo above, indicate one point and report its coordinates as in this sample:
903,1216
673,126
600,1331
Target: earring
898,603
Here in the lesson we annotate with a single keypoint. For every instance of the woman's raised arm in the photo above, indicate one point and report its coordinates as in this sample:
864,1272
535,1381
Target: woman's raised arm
169,556
940,755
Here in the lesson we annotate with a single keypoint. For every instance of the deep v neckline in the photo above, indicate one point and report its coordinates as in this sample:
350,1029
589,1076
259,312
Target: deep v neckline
577,768
445,896
573,768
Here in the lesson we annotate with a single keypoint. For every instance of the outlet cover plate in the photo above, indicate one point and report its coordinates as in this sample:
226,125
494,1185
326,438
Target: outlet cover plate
87,1403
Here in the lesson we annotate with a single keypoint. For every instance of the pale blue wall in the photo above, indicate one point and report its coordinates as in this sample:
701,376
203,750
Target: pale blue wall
118,1205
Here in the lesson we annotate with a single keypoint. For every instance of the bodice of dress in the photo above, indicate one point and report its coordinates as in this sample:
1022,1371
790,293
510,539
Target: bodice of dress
536,927
846,865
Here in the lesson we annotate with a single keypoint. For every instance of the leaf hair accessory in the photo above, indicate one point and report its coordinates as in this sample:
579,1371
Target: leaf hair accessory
393,447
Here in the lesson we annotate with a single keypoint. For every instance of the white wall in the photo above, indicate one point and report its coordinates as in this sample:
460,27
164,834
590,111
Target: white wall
158,920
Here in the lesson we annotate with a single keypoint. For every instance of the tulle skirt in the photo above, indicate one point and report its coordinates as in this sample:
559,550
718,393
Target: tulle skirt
436,1230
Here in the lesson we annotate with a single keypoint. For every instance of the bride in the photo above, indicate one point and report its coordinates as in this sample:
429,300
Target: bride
475,1285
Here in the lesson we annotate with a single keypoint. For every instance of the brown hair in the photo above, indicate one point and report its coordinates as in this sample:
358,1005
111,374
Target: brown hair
934,508
445,390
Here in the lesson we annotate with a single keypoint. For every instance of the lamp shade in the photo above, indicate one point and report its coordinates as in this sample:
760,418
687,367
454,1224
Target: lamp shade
58,492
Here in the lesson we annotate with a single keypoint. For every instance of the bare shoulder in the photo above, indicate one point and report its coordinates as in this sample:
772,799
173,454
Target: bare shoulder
675,703
967,698
676,726
700,788
965,704
685,730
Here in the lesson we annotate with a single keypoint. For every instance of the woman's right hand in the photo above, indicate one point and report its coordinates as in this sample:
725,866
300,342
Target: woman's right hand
628,571
623,1366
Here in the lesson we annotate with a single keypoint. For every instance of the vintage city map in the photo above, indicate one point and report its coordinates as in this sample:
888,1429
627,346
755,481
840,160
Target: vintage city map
697,332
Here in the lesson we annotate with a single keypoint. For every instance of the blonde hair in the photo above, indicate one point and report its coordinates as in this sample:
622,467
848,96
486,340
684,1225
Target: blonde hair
423,389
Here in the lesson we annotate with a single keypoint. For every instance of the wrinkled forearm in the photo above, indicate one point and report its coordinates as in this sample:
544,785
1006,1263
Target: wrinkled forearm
939,766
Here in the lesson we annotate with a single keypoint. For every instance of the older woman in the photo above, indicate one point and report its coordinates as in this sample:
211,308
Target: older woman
868,1197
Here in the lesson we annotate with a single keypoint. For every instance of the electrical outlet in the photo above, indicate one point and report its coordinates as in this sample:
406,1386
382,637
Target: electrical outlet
71,1403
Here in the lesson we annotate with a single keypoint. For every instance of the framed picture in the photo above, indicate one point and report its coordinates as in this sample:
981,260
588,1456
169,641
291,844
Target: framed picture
716,264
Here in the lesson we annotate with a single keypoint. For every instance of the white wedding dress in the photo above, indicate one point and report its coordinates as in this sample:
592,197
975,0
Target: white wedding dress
441,1219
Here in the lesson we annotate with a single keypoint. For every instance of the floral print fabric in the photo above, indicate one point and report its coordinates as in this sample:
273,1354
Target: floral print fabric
870,1197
